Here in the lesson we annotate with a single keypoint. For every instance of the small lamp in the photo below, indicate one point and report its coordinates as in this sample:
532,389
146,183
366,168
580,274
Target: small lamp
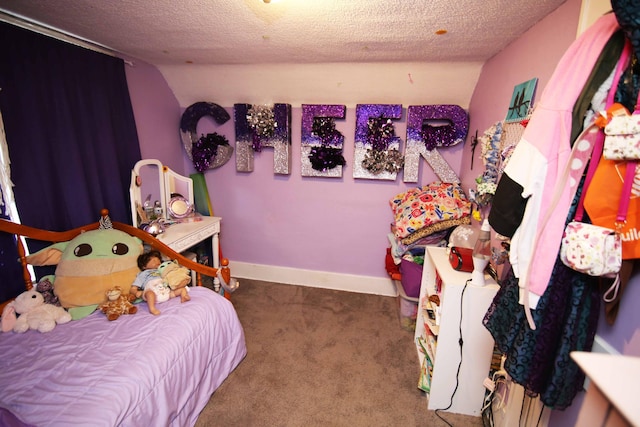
481,254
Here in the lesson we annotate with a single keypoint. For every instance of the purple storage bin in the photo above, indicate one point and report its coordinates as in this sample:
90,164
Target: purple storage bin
411,277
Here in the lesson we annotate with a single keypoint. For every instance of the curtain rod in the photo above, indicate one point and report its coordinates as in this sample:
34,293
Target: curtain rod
47,30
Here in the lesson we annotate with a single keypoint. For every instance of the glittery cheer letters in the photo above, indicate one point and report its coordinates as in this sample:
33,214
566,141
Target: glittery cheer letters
322,143
377,148
423,138
259,126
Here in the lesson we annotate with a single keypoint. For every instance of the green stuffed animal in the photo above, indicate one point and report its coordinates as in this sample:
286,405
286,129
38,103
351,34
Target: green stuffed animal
174,275
89,265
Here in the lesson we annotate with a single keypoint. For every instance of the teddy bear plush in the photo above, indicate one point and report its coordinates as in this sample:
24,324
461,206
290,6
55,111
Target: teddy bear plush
33,313
116,304
174,275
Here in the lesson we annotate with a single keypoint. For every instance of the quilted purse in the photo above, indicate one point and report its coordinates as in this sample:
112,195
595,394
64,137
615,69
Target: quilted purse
622,137
592,249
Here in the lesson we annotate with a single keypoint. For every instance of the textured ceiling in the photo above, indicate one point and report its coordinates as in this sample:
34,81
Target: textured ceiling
164,32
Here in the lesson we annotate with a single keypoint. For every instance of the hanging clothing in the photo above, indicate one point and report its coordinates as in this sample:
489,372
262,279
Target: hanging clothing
539,160
567,309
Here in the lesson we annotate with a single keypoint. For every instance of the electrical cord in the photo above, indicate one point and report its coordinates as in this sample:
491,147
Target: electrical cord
460,342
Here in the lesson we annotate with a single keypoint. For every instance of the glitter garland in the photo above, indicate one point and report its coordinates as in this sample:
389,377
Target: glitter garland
329,154
205,149
261,119
438,136
380,132
383,161
379,158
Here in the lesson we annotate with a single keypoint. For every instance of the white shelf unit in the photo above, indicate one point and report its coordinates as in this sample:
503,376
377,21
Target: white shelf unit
477,348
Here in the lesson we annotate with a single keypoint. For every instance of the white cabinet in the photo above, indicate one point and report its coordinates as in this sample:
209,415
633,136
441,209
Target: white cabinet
458,318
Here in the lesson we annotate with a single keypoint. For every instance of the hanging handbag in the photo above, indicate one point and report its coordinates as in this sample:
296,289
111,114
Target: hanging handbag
622,137
590,248
605,191
593,249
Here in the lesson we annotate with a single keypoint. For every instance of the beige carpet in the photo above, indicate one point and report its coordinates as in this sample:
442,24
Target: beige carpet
319,357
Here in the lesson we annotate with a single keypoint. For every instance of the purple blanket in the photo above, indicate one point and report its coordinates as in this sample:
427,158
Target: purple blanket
137,370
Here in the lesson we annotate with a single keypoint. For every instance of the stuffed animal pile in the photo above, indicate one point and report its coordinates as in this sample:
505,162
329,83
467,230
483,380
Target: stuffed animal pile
117,304
34,314
89,265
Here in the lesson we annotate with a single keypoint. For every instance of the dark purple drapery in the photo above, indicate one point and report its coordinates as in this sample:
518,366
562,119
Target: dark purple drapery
69,127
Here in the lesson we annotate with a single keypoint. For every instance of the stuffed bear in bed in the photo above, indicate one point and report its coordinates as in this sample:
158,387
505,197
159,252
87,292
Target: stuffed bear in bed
89,265
33,313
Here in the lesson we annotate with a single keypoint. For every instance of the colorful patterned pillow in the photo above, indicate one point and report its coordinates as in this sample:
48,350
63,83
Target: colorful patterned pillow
425,207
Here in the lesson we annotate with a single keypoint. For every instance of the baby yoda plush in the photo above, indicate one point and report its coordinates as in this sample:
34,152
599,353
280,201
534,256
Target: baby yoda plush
174,275
89,265
34,314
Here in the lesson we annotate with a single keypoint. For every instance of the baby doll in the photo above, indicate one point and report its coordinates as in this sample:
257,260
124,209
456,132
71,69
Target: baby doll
149,283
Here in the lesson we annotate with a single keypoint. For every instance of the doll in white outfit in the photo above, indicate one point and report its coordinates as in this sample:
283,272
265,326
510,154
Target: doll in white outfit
150,285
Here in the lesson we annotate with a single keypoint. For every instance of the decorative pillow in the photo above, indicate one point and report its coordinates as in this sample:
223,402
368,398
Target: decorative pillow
425,208
434,228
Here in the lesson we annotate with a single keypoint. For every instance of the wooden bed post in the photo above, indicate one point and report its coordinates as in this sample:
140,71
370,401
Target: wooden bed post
22,256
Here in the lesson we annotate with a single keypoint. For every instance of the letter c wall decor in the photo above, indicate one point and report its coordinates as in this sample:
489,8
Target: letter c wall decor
189,134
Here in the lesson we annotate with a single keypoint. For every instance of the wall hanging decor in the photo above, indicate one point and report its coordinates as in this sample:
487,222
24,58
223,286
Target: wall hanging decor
377,148
430,127
487,182
206,151
322,144
260,126
521,101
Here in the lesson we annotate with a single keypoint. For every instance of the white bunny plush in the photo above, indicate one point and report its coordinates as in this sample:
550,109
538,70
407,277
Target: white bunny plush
33,314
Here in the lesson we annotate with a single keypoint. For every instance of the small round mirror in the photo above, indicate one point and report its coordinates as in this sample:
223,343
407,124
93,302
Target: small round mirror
179,207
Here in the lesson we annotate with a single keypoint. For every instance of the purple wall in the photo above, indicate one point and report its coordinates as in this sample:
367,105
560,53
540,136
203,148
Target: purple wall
326,224
157,115
340,224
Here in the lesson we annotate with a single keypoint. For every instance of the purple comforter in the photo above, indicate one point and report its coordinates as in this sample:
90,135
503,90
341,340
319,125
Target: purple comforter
137,370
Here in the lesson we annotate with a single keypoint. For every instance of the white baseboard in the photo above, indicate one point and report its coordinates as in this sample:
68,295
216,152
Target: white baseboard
313,278
601,346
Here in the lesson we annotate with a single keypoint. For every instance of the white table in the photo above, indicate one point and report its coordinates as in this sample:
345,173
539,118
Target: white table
612,396
184,235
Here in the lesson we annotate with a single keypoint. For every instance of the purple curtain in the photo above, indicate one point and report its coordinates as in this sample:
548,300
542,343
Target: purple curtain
70,130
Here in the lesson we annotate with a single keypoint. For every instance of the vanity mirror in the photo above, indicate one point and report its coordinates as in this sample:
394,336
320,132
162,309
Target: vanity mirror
157,192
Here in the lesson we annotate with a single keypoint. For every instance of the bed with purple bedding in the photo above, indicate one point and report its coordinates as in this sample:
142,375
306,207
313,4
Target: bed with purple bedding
138,370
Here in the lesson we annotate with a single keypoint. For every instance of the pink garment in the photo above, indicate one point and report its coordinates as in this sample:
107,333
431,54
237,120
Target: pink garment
541,157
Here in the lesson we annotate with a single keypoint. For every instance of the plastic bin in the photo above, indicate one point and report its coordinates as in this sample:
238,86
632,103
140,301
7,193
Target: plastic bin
411,277
407,308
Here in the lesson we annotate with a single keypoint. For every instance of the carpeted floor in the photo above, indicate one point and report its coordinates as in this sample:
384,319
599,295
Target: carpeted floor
319,357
